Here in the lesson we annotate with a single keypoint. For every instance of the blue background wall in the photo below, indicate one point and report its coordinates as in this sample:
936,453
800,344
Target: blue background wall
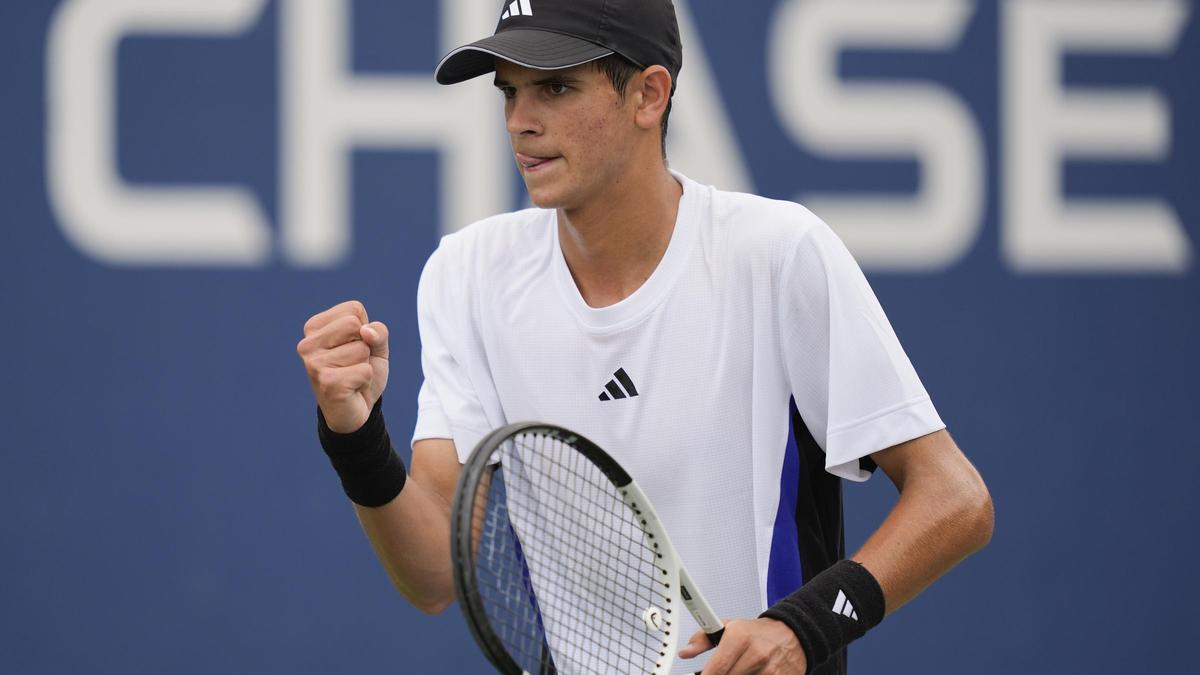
166,508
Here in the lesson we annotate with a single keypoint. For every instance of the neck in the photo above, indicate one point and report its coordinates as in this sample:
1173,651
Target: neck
614,243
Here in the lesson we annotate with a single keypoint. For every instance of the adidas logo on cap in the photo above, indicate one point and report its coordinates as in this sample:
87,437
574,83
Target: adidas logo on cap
517,8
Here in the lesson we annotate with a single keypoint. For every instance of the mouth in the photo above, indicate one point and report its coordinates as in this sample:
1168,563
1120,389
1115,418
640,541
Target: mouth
533,163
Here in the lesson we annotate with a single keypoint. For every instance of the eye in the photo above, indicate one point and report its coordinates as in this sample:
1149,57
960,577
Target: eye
557,88
507,92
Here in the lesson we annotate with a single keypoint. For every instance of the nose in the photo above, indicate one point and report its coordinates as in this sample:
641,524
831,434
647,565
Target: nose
521,117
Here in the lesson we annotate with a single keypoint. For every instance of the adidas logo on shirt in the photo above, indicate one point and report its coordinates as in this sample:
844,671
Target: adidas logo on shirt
842,606
517,8
613,389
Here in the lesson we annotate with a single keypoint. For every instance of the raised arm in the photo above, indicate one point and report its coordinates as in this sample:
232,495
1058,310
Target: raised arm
406,515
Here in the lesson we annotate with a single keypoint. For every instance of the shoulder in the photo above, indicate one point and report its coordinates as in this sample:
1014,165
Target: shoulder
761,231
500,237
488,248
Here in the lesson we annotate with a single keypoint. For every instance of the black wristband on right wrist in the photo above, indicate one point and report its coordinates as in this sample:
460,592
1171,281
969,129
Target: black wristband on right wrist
371,472
833,609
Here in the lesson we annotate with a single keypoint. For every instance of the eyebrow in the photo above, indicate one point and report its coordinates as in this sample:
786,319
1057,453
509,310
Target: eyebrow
554,79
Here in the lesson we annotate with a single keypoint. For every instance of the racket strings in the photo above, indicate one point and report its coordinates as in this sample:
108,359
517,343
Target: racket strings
589,522
598,583
503,578
564,569
600,598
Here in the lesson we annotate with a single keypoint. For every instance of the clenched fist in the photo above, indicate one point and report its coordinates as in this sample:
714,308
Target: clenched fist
347,362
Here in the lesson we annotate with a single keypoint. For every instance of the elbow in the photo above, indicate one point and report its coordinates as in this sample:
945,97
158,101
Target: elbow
980,517
427,600
968,510
432,607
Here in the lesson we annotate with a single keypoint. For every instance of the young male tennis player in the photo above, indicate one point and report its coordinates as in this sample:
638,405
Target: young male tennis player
725,348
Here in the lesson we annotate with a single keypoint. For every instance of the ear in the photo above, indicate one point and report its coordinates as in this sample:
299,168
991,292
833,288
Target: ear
652,93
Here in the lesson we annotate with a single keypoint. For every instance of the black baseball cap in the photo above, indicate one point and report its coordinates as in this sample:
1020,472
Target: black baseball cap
552,34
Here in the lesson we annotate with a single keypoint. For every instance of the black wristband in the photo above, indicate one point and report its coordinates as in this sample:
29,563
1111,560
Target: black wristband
372,473
833,609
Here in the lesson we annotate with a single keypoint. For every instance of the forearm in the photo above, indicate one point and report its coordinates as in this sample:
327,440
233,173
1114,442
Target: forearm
405,514
943,515
411,537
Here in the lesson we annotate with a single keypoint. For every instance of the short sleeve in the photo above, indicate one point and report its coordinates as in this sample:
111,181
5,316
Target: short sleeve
448,405
431,421
853,385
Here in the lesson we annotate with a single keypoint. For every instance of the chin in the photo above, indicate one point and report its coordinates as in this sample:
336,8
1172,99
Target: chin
541,199
546,197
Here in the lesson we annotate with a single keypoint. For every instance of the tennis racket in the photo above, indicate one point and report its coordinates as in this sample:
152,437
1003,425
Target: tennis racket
561,564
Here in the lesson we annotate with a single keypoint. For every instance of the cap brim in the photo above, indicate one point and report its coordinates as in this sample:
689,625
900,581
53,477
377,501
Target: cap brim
529,47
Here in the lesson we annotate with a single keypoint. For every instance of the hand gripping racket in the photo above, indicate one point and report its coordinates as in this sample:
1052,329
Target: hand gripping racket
561,564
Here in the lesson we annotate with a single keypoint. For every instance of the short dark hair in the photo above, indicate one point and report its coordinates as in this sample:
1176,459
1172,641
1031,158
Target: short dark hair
620,70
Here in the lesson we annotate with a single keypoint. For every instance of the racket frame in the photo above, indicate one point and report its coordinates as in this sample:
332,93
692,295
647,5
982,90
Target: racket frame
675,575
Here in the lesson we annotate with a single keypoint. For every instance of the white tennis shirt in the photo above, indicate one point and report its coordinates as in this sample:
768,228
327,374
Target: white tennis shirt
689,382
